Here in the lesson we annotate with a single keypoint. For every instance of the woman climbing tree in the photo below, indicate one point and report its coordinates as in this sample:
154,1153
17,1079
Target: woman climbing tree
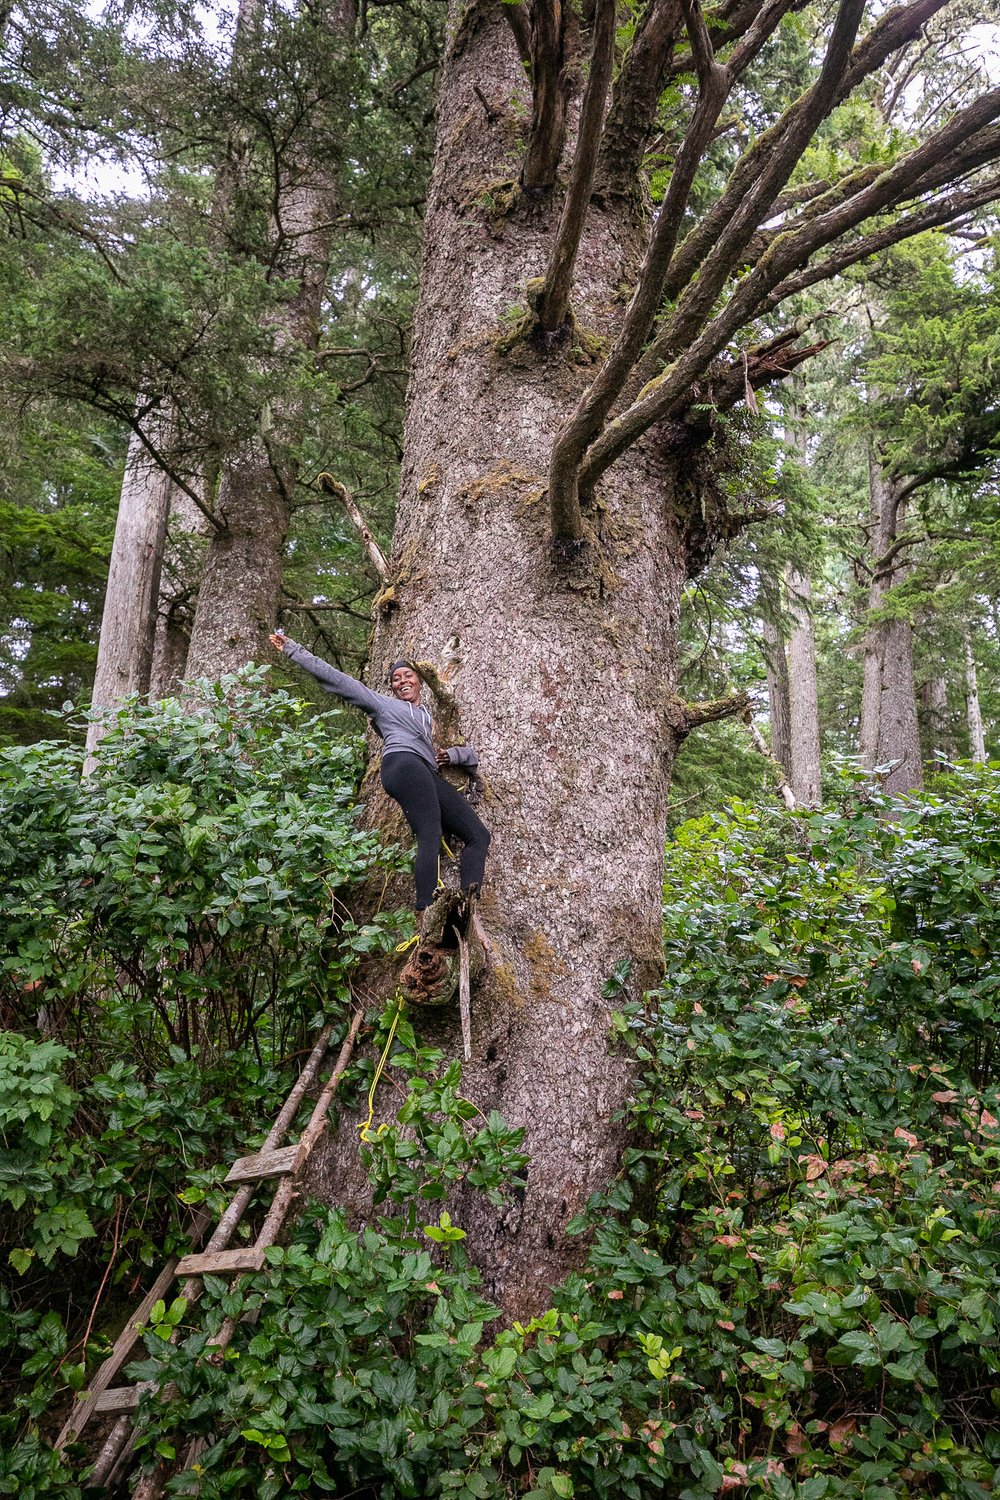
411,769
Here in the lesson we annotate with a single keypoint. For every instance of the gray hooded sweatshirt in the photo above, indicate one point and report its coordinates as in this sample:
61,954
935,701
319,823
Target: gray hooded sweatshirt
402,726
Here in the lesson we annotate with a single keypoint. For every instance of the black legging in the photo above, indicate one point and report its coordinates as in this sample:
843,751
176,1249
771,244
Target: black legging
431,804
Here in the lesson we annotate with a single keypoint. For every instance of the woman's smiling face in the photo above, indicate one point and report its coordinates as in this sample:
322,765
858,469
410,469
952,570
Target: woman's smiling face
405,684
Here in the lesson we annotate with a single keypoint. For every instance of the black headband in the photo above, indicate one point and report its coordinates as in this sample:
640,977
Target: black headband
396,666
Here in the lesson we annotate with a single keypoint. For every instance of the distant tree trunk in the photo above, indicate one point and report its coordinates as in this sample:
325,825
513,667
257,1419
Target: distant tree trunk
977,741
803,694
241,582
188,529
937,727
890,731
125,653
776,667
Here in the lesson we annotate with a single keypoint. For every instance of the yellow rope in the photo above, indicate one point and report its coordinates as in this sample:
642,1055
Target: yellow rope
366,1128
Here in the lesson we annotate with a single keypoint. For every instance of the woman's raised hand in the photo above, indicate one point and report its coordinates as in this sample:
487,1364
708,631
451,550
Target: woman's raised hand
278,641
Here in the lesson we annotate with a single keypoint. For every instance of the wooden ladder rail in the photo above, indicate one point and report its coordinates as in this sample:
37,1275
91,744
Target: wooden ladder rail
269,1161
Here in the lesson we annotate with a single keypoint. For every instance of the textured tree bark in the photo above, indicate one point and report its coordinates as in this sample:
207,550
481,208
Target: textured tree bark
563,680
939,740
803,694
125,654
187,538
776,667
890,731
974,717
241,582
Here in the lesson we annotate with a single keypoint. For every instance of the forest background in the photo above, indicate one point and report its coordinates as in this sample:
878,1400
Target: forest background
792,1290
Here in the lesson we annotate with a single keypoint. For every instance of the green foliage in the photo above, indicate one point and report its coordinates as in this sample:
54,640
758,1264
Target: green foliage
59,483
793,1290
430,1149
193,875
174,928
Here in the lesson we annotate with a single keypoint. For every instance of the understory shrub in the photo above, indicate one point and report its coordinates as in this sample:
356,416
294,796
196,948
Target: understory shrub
792,1291
174,930
793,1287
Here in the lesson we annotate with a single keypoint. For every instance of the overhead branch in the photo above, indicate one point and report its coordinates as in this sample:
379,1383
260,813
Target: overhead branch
771,172
727,22
664,395
331,486
552,307
977,150
725,231
935,216
683,716
548,89
635,98
715,83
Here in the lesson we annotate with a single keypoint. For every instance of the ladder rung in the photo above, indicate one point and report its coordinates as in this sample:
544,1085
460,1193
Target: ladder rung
281,1162
121,1398
222,1262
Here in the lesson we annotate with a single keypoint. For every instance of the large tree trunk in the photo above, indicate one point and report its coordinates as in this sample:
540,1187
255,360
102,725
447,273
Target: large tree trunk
125,655
803,692
562,680
890,733
241,582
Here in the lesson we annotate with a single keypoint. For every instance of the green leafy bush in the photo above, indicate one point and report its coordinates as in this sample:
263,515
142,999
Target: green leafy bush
793,1290
193,877
174,930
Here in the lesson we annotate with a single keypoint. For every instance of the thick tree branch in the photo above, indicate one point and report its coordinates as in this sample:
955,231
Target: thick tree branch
934,216
727,23
553,302
668,391
684,716
758,177
331,486
751,199
979,149
635,98
548,86
571,444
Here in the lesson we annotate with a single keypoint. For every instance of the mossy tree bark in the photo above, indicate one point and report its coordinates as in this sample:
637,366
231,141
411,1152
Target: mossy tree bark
558,486
562,677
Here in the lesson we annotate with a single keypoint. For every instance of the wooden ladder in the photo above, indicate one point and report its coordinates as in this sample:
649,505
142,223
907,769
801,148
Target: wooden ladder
273,1160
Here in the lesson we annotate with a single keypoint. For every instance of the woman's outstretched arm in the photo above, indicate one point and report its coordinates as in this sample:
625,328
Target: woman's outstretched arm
338,683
